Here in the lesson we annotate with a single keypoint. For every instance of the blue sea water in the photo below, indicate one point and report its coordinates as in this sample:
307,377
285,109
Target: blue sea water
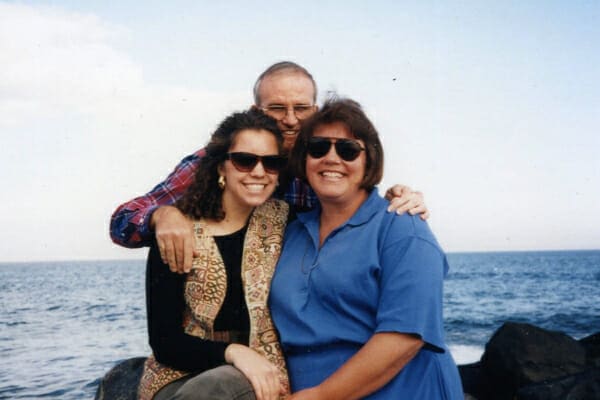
63,325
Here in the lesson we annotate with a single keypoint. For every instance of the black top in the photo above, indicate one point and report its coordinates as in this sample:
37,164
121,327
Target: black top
234,312
165,303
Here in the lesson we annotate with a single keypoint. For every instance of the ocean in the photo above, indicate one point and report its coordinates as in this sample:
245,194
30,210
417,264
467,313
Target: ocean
63,325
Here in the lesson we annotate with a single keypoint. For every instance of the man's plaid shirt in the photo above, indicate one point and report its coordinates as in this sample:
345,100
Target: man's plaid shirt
130,223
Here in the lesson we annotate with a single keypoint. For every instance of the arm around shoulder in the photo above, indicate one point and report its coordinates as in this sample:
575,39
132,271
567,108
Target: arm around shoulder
403,199
130,222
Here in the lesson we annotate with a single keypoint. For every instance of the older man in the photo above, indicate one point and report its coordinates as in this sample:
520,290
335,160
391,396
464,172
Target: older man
287,92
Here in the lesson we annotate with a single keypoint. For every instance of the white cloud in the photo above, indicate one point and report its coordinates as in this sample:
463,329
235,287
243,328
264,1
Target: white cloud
57,62
85,128
53,61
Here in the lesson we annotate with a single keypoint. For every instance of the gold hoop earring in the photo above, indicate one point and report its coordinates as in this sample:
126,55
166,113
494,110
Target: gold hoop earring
221,182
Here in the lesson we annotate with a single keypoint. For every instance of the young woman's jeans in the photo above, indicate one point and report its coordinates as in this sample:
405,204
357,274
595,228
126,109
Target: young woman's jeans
222,383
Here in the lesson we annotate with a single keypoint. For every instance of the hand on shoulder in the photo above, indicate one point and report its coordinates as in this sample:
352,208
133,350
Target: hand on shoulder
175,238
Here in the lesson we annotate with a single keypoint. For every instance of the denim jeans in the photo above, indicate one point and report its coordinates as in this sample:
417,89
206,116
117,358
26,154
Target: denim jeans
222,383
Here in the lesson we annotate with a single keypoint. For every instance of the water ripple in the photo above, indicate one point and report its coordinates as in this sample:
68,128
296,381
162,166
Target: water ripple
64,325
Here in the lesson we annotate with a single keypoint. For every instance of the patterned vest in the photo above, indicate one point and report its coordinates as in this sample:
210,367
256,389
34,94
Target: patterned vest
206,286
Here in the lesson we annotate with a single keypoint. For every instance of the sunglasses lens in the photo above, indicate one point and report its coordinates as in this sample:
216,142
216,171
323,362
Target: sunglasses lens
273,163
318,147
244,162
348,150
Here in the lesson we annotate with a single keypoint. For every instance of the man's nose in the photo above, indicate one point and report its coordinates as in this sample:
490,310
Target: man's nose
290,117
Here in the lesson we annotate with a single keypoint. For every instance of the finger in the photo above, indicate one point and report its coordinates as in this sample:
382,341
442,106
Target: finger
275,386
178,248
388,194
270,382
188,250
271,387
417,209
281,387
170,255
400,190
399,203
256,385
161,250
425,215
267,389
411,206
397,191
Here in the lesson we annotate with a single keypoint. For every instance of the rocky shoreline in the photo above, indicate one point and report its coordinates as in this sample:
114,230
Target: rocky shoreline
520,362
525,362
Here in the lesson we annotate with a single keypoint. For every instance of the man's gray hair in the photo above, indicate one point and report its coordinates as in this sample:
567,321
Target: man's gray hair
287,66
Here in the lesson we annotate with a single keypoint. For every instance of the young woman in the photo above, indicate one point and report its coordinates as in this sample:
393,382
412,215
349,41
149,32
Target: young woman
210,331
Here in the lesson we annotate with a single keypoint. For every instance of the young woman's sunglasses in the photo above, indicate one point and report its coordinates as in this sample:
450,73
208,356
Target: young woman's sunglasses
245,162
347,149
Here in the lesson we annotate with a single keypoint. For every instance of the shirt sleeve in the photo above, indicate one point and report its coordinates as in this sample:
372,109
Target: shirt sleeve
130,223
413,271
165,304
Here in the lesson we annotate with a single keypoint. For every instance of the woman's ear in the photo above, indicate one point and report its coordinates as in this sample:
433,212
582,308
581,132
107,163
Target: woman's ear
221,168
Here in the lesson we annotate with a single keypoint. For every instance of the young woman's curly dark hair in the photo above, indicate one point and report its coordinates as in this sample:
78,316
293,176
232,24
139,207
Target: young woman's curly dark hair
203,197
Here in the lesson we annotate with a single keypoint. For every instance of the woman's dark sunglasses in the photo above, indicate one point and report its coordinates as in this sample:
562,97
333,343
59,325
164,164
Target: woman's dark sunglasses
347,149
245,162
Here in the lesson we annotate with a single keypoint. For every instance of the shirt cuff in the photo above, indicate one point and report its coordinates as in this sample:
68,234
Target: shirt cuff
146,233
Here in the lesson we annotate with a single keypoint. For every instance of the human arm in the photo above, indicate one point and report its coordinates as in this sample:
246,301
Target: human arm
173,347
403,199
175,238
263,375
130,223
165,304
374,365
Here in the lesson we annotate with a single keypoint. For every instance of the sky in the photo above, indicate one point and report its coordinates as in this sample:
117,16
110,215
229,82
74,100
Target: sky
491,109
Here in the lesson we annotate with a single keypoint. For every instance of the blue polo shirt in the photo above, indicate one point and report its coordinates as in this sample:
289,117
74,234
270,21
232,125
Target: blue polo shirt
377,272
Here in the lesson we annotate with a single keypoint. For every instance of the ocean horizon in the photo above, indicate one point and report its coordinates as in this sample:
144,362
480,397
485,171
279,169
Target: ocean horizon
64,324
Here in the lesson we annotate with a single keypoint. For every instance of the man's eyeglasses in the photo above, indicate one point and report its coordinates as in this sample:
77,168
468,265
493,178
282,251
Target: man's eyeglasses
279,112
245,162
347,149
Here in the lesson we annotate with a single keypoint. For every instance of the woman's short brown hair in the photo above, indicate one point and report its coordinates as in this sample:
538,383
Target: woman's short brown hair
351,114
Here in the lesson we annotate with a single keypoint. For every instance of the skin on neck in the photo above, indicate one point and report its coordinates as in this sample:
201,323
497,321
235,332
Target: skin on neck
335,214
236,217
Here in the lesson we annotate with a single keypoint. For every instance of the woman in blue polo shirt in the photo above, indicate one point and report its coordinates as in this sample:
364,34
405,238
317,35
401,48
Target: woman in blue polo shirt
357,293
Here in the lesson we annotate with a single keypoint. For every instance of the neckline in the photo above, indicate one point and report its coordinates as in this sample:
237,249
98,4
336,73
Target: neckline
233,235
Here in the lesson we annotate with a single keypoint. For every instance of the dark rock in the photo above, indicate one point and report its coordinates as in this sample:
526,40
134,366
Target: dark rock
473,380
121,382
583,386
591,344
520,354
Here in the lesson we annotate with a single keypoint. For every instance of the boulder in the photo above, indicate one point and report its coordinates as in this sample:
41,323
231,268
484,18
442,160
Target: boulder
583,386
519,354
121,382
591,344
473,380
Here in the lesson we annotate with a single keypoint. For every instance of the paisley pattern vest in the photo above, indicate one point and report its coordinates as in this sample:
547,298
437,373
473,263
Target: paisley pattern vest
206,286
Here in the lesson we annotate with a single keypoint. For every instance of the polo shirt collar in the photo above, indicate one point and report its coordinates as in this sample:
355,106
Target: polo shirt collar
373,204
